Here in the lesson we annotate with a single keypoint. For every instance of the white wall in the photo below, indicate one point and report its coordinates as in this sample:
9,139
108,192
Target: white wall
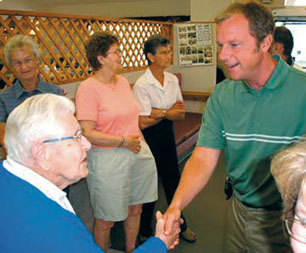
207,10
133,8
130,8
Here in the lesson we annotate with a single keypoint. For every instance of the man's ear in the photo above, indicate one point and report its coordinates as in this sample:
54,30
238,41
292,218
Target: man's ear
267,43
40,154
39,151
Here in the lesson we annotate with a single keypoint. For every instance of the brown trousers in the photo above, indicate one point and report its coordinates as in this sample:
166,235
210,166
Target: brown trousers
254,230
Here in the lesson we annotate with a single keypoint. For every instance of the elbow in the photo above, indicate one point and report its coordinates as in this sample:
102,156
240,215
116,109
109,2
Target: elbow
142,125
182,116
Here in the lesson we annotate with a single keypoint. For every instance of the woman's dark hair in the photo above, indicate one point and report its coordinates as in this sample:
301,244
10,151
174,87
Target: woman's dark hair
99,44
153,43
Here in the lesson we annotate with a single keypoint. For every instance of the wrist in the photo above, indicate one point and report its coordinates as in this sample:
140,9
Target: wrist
121,142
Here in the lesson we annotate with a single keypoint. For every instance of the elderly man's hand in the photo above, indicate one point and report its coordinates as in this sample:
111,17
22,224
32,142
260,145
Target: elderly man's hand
171,239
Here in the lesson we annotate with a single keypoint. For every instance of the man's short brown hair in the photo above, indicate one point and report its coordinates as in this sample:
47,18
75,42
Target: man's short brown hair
260,18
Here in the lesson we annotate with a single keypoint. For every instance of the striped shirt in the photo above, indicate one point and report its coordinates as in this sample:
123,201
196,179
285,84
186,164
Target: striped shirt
251,126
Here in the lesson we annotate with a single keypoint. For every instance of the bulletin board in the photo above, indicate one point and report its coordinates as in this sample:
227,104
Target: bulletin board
195,44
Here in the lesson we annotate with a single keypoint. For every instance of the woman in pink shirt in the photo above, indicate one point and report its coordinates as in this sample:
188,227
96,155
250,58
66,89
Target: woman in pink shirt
120,163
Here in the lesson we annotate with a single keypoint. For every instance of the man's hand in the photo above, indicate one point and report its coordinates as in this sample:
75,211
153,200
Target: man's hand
171,239
172,217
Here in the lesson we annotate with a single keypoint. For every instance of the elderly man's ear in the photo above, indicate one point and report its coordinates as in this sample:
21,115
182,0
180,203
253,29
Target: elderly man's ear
40,154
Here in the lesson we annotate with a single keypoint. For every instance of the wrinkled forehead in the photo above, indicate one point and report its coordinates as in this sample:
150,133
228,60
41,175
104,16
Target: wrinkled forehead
24,48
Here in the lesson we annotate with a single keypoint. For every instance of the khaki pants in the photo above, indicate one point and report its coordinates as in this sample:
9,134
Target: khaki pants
254,230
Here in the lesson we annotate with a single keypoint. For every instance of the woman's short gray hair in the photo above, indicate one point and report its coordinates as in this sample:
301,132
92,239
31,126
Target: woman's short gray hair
289,170
38,117
19,41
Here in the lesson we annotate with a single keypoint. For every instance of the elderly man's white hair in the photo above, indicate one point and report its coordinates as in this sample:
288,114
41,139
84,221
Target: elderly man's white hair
37,118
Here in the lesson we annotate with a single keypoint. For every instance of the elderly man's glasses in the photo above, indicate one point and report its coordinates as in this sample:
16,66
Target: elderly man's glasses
299,230
76,137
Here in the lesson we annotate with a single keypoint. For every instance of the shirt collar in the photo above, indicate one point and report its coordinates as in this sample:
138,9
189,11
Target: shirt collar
41,183
276,79
153,81
19,90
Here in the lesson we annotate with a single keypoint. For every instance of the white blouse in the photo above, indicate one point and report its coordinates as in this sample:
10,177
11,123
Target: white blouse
151,94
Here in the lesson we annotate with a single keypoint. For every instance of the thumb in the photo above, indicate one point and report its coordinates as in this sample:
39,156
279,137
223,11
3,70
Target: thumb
160,223
158,215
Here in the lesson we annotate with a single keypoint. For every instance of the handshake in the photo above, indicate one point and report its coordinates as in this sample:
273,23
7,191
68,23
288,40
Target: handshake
168,234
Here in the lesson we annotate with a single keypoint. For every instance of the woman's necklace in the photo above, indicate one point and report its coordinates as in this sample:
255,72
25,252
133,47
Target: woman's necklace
110,85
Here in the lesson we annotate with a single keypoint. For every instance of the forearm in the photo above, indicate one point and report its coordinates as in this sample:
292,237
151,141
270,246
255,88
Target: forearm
101,139
147,121
195,176
175,114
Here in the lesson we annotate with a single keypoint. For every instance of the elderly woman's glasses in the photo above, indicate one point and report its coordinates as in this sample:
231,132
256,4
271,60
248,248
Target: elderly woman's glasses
117,52
299,232
76,137
28,61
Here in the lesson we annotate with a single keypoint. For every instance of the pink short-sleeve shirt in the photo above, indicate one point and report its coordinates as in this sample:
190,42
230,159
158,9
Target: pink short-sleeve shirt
115,111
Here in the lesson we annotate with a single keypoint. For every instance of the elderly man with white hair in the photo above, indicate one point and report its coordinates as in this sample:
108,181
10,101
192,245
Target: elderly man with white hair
47,152
289,170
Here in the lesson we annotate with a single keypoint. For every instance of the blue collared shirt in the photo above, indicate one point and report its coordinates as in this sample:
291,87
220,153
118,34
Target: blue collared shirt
16,94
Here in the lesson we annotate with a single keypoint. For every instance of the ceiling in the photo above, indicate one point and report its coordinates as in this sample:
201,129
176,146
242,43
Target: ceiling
64,2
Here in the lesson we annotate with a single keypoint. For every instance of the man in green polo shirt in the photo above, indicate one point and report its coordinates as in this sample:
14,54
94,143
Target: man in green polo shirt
252,115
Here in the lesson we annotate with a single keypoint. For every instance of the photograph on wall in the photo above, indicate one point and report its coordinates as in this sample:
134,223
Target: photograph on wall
195,45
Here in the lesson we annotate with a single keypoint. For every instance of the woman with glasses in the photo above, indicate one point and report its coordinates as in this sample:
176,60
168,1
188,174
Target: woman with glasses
122,171
161,103
22,55
289,170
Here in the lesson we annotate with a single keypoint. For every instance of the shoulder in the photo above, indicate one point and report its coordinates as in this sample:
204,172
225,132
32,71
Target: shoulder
122,80
87,84
171,76
50,88
9,91
296,78
227,90
143,79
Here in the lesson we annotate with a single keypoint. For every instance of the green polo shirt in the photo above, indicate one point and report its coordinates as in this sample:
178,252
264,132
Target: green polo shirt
251,126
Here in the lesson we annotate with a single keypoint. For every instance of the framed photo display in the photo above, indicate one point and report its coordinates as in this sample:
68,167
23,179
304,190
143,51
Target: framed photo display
195,44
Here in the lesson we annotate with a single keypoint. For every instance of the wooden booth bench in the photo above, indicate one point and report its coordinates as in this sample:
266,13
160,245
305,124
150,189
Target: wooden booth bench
187,130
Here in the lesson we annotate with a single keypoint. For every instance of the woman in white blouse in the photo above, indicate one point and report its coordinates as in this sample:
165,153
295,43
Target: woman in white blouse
161,102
